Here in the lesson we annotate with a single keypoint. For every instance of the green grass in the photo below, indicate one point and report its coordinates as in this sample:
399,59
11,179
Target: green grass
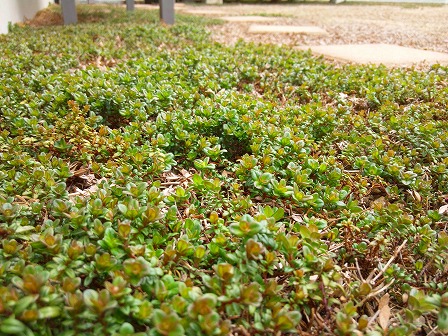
157,183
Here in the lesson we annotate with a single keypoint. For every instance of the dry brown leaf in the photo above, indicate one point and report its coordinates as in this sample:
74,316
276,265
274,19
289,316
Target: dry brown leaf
443,209
297,218
379,203
173,177
384,301
185,173
384,315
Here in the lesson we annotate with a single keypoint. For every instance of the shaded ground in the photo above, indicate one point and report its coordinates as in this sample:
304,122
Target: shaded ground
406,25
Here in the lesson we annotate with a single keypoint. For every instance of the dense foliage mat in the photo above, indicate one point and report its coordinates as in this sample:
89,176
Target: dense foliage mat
157,183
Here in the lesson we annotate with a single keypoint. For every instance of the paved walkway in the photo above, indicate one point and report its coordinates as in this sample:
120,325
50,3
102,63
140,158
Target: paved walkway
362,53
311,30
248,18
387,54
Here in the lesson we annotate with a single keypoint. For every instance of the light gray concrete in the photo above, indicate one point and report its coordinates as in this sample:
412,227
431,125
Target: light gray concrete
69,12
99,1
248,18
387,54
167,11
404,1
205,11
13,11
130,5
286,29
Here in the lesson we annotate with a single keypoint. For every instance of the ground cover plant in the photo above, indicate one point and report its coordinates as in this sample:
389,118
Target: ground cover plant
157,183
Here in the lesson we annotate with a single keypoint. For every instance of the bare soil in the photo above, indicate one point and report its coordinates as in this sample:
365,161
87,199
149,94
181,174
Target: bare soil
418,26
46,17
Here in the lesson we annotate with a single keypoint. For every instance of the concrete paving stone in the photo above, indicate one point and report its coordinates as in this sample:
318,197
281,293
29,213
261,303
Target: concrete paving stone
248,18
387,54
205,11
287,29
177,6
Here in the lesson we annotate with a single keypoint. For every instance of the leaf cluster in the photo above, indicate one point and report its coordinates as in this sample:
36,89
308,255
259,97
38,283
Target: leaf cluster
157,183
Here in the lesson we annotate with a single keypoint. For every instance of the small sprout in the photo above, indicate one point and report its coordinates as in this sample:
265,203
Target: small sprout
70,285
104,262
213,217
365,289
254,249
136,269
288,321
167,323
74,301
10,247
247,226
124,229
118,287
225,272
151,214
75,250
98,302
250,295
203,305
200,252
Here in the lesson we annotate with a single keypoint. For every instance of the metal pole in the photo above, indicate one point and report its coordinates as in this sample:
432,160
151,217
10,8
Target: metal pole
69,11
130,5
167,11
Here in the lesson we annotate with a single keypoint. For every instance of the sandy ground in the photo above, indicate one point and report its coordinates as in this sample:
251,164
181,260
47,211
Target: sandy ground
424,27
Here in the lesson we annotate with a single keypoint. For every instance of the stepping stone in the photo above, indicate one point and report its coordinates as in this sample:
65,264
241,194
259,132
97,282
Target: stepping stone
387,54
205,12
249,18
287,29
177,5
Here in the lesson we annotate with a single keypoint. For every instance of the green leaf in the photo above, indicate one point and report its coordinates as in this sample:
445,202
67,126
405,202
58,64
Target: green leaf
442,320
278,214
26,228
11,326
49,312
123,208
23,303
197,180
126,329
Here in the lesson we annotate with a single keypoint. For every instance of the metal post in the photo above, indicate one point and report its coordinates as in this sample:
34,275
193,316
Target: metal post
130,5
167,11
69,11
